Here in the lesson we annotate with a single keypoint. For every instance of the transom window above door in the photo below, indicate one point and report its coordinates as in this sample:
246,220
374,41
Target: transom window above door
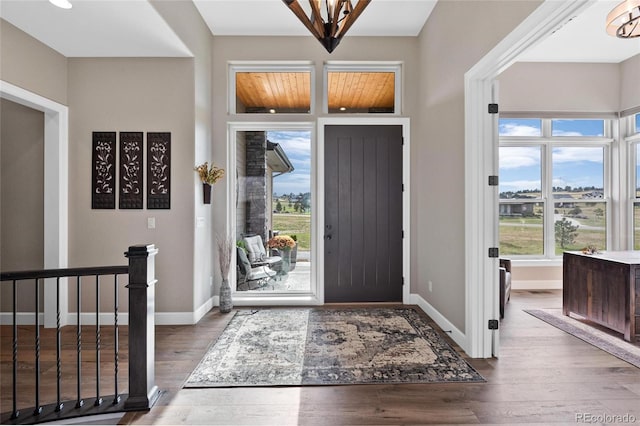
279,88
362,88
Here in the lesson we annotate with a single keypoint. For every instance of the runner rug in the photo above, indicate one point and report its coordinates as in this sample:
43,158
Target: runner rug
293,347
582,329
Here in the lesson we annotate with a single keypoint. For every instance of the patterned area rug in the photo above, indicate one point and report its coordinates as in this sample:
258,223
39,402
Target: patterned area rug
293,347
582,329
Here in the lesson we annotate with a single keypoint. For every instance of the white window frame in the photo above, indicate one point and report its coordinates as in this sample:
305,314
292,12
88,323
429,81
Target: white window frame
235,67
375,66
632,143
547,143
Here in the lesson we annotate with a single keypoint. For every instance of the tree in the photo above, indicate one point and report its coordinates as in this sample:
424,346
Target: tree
599,213
575,211
566,232
278,206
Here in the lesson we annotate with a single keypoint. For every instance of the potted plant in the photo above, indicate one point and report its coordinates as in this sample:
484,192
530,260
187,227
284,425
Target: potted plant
208,175
284,244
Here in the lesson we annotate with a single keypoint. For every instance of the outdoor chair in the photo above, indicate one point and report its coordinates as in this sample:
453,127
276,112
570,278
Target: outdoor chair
251,277
257,252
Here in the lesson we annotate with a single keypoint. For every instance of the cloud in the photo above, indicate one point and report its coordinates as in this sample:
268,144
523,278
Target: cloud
578,154
294,143
297,146
520,185
566,133
513,129
512,157
292,182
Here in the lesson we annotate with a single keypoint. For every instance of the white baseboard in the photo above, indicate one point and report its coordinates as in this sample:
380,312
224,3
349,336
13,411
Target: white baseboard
453,332
205,307
22,318
536,284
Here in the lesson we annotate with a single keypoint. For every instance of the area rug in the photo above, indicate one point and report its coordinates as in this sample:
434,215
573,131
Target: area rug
294,347
582,329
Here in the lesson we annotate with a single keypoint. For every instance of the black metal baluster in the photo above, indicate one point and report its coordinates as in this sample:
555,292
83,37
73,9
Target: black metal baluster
38,409
79,401
15,413
98,398
116,399
59,404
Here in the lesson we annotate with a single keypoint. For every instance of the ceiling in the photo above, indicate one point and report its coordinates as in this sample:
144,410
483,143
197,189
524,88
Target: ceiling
113,28
583,39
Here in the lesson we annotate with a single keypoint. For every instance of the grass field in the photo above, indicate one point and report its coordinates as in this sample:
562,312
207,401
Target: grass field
294,224
525,235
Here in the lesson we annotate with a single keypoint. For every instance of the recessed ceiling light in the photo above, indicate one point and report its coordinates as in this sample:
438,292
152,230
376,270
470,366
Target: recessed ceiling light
272,111
64,4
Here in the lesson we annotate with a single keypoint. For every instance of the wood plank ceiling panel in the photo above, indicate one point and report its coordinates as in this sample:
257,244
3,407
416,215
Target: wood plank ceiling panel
361,90
291,91
278,90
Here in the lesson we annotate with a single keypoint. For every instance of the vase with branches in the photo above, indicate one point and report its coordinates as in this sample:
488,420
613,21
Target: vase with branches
226,246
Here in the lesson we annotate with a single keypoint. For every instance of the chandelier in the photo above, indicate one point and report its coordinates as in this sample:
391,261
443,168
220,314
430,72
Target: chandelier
328,20
624,20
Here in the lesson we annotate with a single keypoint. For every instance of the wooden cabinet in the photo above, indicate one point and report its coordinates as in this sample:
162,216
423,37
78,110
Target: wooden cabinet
604,288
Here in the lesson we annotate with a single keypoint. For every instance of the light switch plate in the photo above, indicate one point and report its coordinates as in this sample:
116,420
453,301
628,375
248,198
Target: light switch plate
199,222
151,222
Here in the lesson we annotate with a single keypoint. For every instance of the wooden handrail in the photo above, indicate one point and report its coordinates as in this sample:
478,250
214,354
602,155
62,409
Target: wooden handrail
63,272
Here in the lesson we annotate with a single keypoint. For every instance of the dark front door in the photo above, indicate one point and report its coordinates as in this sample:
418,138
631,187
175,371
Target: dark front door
363,214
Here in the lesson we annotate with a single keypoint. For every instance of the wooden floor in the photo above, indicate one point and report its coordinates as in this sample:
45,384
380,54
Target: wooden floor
543,376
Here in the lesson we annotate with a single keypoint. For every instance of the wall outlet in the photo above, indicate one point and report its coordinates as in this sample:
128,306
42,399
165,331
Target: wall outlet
430,286
151,222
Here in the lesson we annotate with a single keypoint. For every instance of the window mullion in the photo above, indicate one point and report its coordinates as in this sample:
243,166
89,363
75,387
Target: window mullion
549,205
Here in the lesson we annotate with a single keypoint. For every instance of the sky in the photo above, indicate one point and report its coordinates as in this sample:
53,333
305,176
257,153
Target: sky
520,167
297,146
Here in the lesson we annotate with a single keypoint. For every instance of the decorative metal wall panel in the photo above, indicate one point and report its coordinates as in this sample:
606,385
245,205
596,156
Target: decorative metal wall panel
131,189
159,170
103,174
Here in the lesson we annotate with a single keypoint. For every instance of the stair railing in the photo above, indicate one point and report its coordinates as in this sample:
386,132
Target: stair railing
141,378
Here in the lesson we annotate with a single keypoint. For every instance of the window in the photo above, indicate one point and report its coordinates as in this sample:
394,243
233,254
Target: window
356,88
270,88
553,185
634,145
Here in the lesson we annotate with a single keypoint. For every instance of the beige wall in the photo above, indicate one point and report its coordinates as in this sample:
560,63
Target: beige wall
22,196
148,95
536,277
27,63
558,87
438,234
629,87
185,20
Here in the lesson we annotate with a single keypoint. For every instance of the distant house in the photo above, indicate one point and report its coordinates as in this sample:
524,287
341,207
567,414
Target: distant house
593,195
516,209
